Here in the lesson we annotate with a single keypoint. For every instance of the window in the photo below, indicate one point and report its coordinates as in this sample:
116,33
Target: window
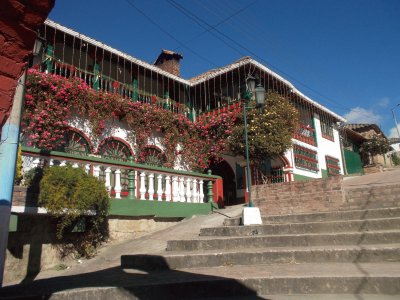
114,149
305,158
327,130
332,165
305,131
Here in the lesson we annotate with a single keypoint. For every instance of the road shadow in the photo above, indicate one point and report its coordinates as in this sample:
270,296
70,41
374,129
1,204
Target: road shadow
152,281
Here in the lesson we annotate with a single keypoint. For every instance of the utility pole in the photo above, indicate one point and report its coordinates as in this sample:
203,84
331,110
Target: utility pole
8,157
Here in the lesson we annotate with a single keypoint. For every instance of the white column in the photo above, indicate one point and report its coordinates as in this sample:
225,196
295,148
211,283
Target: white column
167,188
159,187
87,168
188,190
195,194
142,189
201,192
96,171
151,186
181,189
108,179
117,187
175,189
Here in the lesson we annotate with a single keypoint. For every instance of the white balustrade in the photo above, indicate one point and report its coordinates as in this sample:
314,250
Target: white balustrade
167,188
142,189
87,168
159,187
117,187
195,194
151,186
108,179
188,190
181,189
96,171
201,192
175,189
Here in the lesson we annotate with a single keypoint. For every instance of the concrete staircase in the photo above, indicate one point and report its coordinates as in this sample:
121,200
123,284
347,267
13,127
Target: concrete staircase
350,253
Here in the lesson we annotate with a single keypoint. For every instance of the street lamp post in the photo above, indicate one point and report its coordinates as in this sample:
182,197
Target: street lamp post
251,214
395,120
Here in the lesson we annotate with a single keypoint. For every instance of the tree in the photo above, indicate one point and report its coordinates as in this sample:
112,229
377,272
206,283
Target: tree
376,145
270,131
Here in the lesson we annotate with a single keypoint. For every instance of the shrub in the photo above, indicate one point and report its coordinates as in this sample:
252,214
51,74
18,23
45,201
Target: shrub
70,194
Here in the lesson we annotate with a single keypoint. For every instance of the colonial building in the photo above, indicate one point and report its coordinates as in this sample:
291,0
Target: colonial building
316,150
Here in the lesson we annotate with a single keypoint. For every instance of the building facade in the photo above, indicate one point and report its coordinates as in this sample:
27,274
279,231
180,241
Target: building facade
316,150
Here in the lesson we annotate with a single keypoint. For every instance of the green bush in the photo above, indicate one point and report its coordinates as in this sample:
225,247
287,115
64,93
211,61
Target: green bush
70,194
395,159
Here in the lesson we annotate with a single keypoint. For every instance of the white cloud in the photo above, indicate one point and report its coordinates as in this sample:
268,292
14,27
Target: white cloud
383,103
363,116
393,132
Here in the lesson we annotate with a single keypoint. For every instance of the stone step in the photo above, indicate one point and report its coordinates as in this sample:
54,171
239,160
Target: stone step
309,227
285,240
321,254
240,281
393,212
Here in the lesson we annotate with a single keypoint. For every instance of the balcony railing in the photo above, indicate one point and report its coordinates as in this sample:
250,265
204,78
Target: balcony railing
143,182
100,82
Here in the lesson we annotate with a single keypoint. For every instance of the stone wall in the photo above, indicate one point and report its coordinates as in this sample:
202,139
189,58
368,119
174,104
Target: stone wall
299,196
321,195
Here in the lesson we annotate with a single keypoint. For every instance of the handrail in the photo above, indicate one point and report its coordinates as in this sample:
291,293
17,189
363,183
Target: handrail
110,162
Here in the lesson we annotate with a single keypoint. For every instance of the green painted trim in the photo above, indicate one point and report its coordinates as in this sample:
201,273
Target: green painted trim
112,162
324,173
298,177
13,223
123,207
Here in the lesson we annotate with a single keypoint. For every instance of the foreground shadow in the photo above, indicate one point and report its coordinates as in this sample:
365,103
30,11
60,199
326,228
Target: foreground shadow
153,281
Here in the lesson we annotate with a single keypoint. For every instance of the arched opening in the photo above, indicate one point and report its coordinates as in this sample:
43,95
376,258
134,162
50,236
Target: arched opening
153,156
224,170
114,148
76,142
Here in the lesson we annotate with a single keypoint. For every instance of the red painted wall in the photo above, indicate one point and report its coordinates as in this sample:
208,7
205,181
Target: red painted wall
19,21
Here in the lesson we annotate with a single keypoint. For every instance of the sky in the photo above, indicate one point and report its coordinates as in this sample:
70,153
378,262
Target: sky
344,54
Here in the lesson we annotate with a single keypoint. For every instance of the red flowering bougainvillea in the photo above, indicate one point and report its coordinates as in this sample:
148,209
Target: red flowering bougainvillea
51,98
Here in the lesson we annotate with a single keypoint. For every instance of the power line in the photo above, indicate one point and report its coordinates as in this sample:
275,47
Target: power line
204,24
220,22
168,34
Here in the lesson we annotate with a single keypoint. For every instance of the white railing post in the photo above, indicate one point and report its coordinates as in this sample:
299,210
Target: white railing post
188,190
167,188
96,171
108,179
195,194
201,192
181,189
142,189
175,189
151,186
117,187
87,168
159,187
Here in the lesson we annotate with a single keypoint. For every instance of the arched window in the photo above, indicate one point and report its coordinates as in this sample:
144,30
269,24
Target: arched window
114,149
75,143
153,156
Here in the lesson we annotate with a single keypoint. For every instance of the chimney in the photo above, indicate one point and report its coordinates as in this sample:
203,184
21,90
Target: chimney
169,61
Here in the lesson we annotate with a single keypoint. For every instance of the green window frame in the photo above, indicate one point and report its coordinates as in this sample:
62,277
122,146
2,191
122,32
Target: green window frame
332,165
327,130
305,158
